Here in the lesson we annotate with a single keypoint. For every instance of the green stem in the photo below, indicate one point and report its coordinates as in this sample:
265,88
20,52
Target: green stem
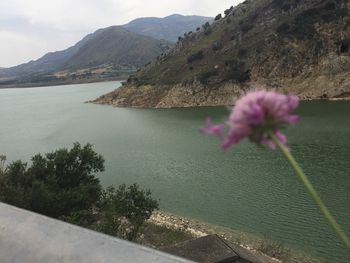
311,190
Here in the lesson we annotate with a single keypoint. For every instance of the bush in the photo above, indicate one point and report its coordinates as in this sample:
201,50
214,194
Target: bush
63,185
302,26
207,31
343,45
242,52
123,211
206,25
274,249
195,56
218,17
204,77
56,184
236,71
217,46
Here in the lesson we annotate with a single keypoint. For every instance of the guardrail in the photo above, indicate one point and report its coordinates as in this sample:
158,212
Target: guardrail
27,237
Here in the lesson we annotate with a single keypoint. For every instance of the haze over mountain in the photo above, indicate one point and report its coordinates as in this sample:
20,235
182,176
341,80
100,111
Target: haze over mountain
290,45
114,47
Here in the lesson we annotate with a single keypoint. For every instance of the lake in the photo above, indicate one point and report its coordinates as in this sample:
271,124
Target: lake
247,188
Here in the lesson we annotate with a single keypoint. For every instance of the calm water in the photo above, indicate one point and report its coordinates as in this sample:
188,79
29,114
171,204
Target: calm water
247,188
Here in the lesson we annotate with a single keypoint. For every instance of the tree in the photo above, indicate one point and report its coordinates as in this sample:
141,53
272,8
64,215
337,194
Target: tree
56,184
2,164
218,17
124,210
63,185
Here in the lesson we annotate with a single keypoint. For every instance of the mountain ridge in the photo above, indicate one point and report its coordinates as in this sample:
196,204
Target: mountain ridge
114,50
294,46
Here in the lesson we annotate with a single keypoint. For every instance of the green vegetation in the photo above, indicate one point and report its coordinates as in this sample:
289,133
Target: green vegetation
218,17
63,185
195,56
302,26
258,35
236,70
159,236
343,45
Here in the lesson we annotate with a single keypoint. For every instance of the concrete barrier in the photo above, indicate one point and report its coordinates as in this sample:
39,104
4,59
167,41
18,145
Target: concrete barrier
27,237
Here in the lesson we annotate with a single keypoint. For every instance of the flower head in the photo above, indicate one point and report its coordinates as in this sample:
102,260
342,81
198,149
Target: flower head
255,116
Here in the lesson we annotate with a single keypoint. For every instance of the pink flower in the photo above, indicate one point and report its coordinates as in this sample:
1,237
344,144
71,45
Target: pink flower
211,129
255,116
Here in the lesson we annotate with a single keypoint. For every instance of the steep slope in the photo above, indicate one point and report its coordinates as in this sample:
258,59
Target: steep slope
290,45
168,28
115,45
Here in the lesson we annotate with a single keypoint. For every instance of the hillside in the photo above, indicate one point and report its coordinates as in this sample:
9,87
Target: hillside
117,46
168,28
289,45
112,50
115,51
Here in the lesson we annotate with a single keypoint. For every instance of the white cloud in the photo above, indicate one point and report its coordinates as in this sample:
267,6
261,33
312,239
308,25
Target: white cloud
56,24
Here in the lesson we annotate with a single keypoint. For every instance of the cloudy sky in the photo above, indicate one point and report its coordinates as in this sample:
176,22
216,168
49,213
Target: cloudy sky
31,28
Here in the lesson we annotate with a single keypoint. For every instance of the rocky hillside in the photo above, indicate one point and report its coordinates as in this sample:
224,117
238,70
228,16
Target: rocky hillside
289,45
168,28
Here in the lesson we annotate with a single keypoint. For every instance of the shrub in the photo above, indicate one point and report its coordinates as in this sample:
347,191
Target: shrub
274,249
63,185
218,17
195,56
217,46
343,45
207,31
242,52
206,25
56,184
283,29
204,77
123,211
236,71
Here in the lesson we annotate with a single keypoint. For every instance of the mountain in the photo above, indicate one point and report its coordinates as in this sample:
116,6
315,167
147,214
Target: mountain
115,51
116,45
294,46
168,28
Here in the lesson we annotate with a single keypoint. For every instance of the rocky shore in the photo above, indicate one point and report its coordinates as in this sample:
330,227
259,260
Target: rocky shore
196,94
257,245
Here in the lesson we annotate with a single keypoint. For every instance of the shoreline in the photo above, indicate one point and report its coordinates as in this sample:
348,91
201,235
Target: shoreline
248,241
29,85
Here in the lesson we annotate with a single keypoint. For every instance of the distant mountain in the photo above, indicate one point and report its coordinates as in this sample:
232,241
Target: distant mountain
168,28
128,47
117,46
300,47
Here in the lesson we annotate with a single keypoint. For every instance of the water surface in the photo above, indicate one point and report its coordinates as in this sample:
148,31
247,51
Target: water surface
247,188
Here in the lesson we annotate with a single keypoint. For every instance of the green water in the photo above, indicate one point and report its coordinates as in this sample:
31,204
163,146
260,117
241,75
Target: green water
247,188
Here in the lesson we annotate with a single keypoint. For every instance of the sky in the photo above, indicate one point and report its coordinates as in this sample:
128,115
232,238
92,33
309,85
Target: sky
31,28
